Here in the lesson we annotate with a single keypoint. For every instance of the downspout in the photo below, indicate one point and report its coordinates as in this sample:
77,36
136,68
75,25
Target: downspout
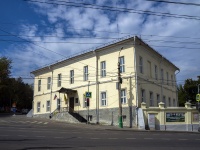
177,103
51,89
97,89
136,85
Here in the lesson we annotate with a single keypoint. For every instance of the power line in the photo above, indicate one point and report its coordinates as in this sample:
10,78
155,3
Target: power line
109,8
172,2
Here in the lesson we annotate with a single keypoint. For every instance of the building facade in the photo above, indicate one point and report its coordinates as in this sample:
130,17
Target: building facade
146,77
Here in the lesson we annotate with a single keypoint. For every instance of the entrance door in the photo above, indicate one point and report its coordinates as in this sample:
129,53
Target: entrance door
71,104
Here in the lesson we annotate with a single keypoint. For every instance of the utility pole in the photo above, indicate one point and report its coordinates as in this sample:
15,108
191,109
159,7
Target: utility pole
119,92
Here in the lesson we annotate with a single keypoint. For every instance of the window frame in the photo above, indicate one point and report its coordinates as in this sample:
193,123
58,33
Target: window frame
122,64
156,72
71,76
38,106
48,83
103,99
123,96
48,106
143,95
59,80
103,69
39,85
85,73
141,64
158,99
151,100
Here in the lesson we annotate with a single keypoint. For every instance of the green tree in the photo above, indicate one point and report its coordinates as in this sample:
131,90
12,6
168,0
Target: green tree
188,91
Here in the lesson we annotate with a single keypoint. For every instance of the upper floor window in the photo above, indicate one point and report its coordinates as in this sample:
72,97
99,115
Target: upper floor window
142,95
164,100
162,75
141,64
169,101
174,102
48,83
48,105
149,69
103,99
123,96
39,85
85,73
167,74
103,69
122,64
158,99
38,106
151,99
59,80
71,76
172,80
156,72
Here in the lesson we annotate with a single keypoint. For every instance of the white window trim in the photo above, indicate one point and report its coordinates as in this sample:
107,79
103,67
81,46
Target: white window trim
122,66
71,77
103,69
85,71
59,80
141,64
48,106
38,106
106,100
151,100
48,83
39,85
123,97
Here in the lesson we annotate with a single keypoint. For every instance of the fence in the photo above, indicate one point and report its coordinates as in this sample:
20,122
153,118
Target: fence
170,118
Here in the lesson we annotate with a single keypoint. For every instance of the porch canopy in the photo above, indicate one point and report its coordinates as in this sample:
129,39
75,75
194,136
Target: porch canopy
67,91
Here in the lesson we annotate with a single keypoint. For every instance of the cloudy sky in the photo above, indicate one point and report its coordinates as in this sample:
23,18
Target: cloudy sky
35,33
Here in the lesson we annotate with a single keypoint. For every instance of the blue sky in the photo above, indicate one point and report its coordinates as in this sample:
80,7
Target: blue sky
34,34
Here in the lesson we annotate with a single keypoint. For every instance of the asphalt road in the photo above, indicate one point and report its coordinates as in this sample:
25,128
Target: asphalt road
22,133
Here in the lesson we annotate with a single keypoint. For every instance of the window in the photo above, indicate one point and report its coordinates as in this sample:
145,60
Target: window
156,72
174,102
172,80
48,105
162,75
149,69
142,95
123,96
167,74
103,99
151,98
71,76
103,69
38,106
76,100
158,99
39,85
122,64
58,104
59,80
48,83
169,101
141,64
85,70
164,100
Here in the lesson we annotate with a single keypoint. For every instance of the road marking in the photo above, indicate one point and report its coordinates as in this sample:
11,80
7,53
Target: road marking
39,123
33,121
112,138
46,123
130,138
94,138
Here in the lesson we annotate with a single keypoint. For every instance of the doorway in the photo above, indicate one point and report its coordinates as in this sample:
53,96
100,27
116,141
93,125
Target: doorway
71,104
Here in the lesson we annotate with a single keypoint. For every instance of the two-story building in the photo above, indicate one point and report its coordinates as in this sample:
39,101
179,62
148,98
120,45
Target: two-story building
145,76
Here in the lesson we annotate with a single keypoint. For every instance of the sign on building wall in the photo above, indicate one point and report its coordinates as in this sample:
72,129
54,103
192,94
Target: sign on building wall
175,117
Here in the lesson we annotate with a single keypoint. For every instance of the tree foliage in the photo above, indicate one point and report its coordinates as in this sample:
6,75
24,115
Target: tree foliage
13,90
188,91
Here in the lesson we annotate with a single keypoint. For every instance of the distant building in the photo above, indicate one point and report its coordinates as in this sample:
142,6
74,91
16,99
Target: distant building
147,77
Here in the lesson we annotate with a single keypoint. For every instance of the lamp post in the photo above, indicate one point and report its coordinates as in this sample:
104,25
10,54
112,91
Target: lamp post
119,92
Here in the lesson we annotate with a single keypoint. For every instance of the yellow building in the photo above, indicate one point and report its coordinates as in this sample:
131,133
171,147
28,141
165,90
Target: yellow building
145,74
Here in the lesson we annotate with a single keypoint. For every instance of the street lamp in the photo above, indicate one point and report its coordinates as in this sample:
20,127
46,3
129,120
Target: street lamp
119,92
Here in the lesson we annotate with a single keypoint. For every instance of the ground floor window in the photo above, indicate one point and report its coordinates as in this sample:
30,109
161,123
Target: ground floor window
48,105
103,99
38,106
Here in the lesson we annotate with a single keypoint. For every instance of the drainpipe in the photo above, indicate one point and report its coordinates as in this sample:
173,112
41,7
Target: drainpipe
51,89
176,88
97,89
136,85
